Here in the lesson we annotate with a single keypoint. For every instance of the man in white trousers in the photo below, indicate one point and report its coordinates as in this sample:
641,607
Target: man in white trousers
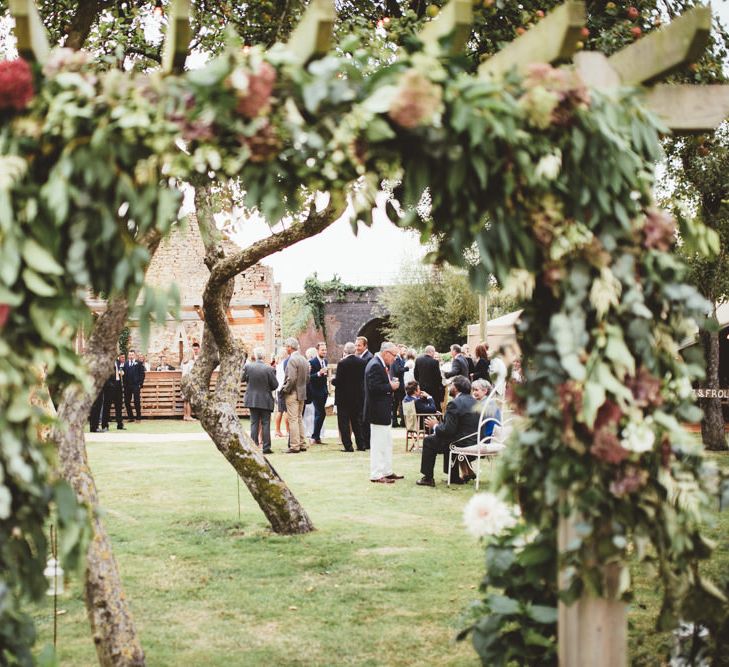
378,390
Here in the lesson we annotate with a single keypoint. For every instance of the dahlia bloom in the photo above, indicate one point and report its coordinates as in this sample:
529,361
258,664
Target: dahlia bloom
16,84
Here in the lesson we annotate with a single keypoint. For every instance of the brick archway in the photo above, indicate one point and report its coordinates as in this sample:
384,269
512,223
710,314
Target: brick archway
375,332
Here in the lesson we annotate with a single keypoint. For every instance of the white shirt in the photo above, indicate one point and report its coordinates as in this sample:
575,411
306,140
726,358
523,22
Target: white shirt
497,370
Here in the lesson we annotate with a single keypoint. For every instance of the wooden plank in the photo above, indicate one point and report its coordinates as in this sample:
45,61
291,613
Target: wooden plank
553,39
313,35
659,53
595,70
689,109
177,39
591,631
454,19
29,31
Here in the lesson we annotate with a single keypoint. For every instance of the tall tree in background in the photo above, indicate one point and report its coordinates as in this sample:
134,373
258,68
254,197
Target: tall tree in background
701,171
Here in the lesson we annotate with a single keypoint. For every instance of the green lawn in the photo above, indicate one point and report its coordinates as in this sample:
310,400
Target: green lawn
381,582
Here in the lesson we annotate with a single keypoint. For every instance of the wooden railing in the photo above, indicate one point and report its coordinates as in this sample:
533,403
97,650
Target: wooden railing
162,395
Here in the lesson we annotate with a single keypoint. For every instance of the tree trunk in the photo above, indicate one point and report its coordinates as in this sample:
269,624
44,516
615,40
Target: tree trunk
115,637
217,410
712,425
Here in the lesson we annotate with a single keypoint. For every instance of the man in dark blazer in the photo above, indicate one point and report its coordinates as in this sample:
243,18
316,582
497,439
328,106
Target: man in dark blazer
378,413
459,365
319,389
113,391
427,373
361,349
397,370
260,379
348,397
133,383
460,423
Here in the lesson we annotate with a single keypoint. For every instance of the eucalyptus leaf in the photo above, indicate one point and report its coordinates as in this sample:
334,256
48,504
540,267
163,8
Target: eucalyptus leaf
40,259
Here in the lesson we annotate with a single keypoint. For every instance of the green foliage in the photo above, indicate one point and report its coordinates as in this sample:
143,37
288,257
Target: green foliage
317,294
123,345
547,183
430,306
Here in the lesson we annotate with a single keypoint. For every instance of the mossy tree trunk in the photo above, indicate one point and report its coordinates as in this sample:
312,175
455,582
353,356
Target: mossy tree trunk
115,637
216,409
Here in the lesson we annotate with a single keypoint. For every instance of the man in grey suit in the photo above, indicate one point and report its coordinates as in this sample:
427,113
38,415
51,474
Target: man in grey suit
260,379
294,391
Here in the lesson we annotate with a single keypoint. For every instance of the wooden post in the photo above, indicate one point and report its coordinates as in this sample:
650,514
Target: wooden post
313,34
483,318
454,19
177,39
688,109
592,632
554,38
661,52
29,31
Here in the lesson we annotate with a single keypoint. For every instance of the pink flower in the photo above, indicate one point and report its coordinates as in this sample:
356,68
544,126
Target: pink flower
416,102
631,480
16,84
264,144
256,100
4,314
659,230
646,388
607,447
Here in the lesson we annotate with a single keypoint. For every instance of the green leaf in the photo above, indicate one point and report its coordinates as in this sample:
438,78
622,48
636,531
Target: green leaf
542,614
592,399
40,259
210,75
379,130
500,604
65,502
36,284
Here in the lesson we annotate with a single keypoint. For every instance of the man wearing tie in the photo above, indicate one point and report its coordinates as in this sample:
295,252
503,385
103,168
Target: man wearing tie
378,413
133,382
319,390
362,351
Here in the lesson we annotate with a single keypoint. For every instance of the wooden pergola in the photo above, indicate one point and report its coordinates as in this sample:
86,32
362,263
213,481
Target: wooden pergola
592,631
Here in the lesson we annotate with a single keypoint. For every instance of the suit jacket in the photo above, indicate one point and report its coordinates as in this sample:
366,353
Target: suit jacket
397,370
317,383
377,393
367,356
134,374
460,420
349,383
427,373
297,376
261,381
459,366
481,370
423,406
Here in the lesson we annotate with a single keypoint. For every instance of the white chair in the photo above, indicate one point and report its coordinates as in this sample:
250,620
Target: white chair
486,447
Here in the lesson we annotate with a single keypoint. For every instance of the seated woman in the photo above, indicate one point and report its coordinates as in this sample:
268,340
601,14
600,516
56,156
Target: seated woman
424,404
480,389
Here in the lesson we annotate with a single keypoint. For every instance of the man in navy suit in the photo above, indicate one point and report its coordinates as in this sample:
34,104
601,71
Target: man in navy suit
348,397
361,349
460,423
398,371
319,389
378,413
133,383
427,373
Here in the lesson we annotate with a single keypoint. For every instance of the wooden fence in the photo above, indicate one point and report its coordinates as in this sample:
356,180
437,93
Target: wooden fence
162,395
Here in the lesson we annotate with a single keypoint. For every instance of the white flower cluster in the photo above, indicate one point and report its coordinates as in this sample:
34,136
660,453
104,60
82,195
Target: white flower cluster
486,514
639,437
549,166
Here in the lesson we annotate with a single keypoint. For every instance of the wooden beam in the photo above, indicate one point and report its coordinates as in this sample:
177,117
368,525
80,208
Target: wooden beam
689,109
595,70
553,39
29,31
313,35
659,53
454,19
177,39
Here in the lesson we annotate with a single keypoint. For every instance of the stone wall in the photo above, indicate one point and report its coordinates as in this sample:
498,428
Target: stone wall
345,320
255,306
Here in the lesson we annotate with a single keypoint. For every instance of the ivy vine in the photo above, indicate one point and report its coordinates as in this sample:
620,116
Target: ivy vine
318,293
